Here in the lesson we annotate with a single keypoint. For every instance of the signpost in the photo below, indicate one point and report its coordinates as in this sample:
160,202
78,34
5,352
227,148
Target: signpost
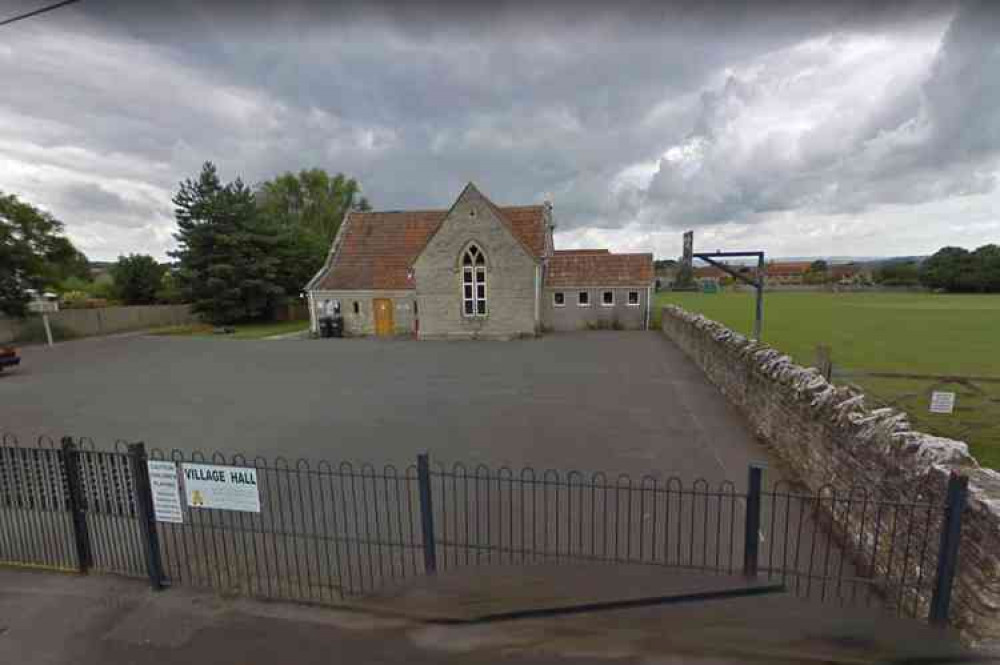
166,493
221,487
43,307
942,402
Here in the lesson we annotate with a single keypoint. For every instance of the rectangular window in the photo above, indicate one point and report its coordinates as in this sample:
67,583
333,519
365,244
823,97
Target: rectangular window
559,299
633,298
583,299
607,299
357,307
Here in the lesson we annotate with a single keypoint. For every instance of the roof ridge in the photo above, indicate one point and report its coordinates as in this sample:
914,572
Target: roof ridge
400,211
441,210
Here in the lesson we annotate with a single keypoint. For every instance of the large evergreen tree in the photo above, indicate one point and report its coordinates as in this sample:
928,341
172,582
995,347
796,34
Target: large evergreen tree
229,255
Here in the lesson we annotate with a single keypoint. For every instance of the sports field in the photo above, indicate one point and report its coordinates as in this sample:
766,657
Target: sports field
911,333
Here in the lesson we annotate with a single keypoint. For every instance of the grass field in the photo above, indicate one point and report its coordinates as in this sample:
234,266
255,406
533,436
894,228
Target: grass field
913,333
243,330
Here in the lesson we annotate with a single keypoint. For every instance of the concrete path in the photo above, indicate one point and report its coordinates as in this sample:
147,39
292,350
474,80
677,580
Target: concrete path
66,620
612,401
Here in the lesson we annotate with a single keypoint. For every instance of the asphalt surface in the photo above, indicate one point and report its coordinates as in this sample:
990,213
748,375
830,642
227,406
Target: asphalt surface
613,401
101,620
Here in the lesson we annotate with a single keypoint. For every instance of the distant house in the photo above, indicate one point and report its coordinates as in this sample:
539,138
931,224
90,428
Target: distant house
475,270
709,273
849,273
787,272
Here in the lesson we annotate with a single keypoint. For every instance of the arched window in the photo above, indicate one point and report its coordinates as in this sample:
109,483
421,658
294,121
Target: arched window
474,282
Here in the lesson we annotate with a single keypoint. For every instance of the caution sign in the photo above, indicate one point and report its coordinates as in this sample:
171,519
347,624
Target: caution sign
166,492
221,487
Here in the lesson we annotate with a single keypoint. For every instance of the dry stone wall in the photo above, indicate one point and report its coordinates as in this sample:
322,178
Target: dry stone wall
826,435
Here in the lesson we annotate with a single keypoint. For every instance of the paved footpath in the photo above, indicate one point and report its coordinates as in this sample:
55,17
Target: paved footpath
97,620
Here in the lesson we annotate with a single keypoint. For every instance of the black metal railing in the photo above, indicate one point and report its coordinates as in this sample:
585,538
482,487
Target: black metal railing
325,532
68,506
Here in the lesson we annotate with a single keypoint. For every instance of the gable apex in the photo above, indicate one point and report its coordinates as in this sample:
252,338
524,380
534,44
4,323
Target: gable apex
506,216
468,191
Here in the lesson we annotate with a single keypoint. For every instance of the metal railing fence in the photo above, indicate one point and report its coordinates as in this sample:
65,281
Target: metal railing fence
325,532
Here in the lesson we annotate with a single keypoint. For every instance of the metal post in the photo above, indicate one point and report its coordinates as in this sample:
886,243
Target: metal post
758,322
824,361
74,485
426,513
751,535
147,517
48,328
951,535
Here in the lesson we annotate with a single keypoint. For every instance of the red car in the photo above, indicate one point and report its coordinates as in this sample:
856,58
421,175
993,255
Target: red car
8,357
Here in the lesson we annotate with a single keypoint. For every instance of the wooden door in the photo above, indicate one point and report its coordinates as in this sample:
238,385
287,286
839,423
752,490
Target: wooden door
383,317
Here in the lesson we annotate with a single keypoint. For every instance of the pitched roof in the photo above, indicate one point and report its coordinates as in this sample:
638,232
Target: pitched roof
377,248
788,267
528,224
709,271
583,251
845,270
599,269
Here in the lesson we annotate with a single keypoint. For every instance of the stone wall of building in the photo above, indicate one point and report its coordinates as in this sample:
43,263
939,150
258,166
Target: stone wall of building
572,316
358,310
513,277
826,435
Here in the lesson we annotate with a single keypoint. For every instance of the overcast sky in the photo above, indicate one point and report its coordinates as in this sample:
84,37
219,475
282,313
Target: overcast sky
868,129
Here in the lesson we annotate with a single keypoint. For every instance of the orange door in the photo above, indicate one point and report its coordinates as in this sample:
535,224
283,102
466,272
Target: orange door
383,317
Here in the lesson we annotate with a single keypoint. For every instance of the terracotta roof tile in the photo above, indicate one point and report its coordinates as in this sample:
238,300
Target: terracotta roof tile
788,267
528,225
702,272
583,251
599,269
377,248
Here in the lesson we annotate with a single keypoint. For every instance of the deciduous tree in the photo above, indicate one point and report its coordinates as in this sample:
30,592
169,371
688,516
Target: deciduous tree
137,279
34,253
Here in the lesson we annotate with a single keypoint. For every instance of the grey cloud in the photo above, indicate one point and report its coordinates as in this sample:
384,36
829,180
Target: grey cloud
414,99
97,200
929,140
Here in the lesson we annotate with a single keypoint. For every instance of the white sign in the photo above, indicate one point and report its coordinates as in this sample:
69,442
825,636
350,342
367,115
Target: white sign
43,306
222,487
942,402
166,493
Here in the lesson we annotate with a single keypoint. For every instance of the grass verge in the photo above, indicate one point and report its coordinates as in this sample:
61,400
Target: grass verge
915,333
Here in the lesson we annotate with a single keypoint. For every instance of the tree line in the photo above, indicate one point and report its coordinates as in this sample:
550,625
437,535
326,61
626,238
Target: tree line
952,269
242,252
959,270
